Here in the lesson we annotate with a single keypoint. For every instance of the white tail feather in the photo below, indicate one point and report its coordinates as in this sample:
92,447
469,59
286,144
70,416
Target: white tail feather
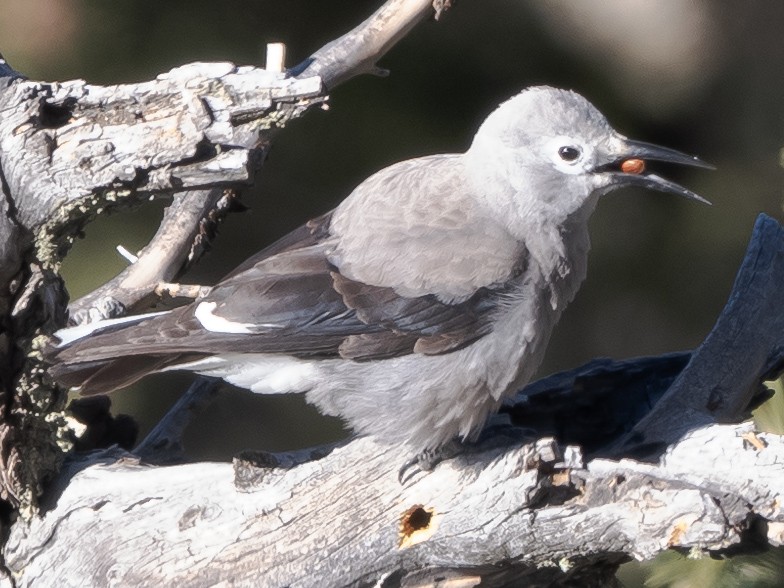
71,334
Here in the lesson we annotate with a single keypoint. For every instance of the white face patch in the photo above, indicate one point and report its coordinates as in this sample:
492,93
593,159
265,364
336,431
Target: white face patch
215,324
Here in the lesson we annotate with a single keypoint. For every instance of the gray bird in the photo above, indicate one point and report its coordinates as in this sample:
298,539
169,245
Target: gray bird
422,301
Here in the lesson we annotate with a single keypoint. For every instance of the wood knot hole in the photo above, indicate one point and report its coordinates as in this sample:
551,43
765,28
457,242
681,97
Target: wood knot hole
417,524
416,518
54,116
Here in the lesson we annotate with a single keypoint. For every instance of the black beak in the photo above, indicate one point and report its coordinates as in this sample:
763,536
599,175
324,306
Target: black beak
640,152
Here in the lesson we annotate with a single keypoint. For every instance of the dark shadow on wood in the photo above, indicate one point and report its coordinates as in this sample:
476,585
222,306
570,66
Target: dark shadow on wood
638,407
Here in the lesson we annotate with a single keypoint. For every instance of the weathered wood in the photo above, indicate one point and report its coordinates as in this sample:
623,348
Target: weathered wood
518,511
516,508
744,347
639,407
164,443
510,509
72,150
190,220
359,50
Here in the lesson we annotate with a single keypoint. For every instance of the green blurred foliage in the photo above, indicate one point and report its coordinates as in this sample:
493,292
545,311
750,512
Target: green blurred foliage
673,570
769,417
661,267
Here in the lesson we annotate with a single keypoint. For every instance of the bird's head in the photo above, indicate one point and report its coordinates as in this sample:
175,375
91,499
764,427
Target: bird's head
553,153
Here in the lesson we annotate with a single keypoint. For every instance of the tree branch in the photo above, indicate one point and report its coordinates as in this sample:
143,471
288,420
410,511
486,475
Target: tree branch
77,148
508,515
744,347
187,227
359,50
72,150
164,443
509,509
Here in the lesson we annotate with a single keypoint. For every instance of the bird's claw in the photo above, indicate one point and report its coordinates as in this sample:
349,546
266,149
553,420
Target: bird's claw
427,460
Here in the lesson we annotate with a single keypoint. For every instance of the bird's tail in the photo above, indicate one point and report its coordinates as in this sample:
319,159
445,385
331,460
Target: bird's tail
85,359
105,375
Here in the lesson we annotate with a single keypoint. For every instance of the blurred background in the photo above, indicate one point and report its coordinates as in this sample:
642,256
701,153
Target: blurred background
699,76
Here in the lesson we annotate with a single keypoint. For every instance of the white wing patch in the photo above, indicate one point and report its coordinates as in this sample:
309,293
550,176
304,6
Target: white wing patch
204,313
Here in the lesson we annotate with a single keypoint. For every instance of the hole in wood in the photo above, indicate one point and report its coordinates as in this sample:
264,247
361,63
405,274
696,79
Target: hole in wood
416,524
54,116
416,518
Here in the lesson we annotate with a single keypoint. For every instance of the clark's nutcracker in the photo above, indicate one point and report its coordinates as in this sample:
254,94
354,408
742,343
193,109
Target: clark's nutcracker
422,301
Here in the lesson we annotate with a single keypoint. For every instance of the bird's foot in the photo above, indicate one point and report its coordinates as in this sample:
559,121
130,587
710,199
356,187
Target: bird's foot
497,433
427,460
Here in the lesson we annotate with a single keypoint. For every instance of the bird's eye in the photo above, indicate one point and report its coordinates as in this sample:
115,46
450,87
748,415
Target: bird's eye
568,153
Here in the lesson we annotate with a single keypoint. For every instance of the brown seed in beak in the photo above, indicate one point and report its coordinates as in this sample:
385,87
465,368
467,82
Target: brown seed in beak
633,166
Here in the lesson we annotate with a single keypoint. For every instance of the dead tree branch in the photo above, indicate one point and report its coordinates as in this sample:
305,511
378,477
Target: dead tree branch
745,345
72,150
516,508
191,218
359,50
516,513
548,495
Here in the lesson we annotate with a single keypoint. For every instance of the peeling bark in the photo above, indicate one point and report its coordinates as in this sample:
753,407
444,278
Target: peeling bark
72,150
584,470
519,507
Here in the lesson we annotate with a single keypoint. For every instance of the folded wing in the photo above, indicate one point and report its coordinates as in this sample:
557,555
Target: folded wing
289,299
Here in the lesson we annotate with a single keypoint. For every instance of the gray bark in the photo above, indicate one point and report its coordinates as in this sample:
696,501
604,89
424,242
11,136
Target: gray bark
586,469
518,512
72,150
517,508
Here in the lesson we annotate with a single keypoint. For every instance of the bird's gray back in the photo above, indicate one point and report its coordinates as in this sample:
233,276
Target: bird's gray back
417,227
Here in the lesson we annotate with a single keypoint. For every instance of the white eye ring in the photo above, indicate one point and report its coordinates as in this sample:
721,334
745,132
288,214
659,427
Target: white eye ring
569,153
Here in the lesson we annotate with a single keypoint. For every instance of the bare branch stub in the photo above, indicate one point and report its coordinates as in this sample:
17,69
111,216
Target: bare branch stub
357,51
188,226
